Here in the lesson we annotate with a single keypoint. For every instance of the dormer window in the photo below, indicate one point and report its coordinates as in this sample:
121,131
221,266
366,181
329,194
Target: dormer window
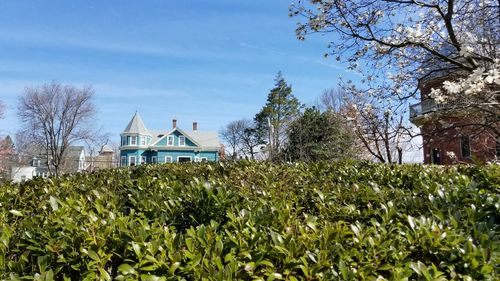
182,140
170,140
35,162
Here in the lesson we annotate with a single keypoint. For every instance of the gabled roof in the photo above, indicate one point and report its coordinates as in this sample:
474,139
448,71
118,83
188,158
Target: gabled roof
106,149
203,139
136,126
74,152
180,131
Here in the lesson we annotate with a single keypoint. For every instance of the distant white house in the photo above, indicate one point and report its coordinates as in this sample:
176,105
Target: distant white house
74,161
19,174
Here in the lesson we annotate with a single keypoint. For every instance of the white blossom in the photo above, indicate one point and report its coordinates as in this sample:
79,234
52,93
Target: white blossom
451,154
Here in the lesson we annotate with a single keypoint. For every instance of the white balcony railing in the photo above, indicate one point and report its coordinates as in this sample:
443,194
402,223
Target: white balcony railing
425,107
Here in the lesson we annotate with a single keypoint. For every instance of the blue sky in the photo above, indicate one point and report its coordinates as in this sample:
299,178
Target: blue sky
207,61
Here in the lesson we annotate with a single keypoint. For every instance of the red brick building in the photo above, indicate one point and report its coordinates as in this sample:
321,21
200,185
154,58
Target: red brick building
447,134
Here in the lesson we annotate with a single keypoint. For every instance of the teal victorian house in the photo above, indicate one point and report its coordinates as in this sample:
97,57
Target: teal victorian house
142,146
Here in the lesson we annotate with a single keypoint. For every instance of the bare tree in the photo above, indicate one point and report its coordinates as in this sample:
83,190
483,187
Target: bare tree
242,137
7,157
231,136
249,138
381,133
57,116
93,144
333,99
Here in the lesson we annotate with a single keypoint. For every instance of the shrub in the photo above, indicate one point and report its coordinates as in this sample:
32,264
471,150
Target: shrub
255,221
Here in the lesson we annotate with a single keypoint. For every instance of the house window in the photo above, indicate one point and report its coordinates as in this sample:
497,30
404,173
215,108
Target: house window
131,160
124,140
128,140
465,146
134,141
196,159
143,160
182,140
23,178
154,160
170,140
182,159
36,162
168,159
124,161
143,140
204,159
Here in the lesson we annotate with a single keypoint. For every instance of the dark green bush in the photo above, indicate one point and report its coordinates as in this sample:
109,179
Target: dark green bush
255,221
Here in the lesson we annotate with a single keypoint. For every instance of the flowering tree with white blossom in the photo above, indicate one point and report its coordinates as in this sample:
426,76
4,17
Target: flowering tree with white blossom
398,45
382,133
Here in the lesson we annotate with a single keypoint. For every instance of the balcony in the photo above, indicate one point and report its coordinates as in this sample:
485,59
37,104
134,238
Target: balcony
424,107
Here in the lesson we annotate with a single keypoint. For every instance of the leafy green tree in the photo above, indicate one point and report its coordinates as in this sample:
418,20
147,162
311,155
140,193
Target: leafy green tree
320,136
281,108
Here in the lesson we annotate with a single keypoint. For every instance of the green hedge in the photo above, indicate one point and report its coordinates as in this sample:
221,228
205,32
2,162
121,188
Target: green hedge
255,221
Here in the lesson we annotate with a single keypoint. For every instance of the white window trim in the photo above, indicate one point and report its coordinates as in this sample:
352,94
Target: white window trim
197,159
168,140
184,142
190,158
168,157
154,159
133,140
143,140
143,160
130,160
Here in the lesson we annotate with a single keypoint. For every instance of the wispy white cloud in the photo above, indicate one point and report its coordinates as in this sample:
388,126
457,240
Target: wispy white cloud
116,91
61,40
297,57
269,50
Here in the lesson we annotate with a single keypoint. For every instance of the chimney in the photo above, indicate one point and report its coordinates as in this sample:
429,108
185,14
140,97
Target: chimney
174,123
195,126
